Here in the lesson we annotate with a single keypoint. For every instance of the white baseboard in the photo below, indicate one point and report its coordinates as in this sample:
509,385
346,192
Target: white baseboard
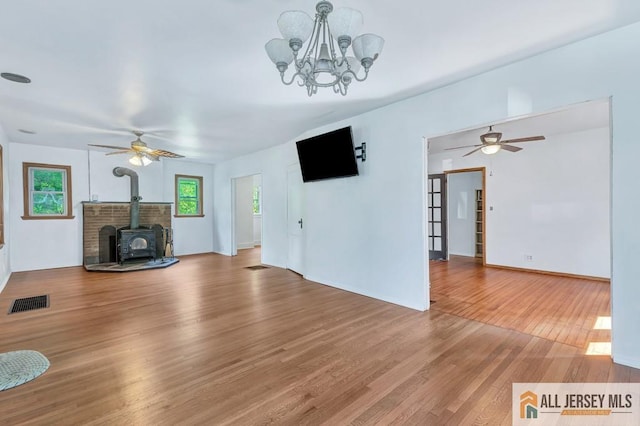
385,298
241,246
4,282
628,361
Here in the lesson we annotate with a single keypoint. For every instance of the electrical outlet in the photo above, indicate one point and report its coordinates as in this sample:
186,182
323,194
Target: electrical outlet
528,257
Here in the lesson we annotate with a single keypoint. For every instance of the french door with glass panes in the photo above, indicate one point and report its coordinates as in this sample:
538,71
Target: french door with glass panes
437,217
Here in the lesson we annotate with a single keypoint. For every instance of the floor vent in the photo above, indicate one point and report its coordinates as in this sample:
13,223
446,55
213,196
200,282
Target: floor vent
29,304
257,267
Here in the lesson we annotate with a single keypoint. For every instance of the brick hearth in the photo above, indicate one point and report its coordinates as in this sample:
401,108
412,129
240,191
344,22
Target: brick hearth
117,214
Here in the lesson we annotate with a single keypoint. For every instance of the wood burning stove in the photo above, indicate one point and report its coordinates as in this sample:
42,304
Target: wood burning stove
136,243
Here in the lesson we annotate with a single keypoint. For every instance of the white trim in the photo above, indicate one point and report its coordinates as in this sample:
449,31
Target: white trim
4,282
383,297
425,208
630,362
234,248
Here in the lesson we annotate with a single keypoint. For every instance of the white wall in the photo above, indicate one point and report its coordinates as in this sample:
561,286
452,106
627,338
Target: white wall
108,187
358,229
272,165
366,233
5,267
191,235
461,212
244,212
42,244
550,201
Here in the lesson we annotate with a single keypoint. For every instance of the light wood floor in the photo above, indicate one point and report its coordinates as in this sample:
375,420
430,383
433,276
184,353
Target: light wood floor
209,342
556,308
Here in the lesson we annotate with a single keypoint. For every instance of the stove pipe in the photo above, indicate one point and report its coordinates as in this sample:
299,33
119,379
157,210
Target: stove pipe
135,197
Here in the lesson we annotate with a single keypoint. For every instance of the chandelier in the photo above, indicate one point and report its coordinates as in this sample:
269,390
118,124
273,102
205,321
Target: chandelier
320,64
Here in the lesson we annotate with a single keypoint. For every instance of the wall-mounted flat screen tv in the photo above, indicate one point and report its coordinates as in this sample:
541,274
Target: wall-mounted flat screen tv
327,156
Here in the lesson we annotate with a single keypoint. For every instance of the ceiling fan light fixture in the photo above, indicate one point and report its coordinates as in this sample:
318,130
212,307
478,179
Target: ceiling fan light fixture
142,154
140,160
491,137
490,149
136,160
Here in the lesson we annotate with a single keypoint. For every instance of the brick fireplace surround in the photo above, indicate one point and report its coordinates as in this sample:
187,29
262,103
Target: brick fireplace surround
96,215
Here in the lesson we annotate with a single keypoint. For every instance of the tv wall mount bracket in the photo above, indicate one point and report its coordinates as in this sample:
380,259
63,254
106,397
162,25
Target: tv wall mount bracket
363,152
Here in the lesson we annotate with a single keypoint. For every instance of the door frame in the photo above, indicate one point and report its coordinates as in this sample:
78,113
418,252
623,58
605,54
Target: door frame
234,245
483,170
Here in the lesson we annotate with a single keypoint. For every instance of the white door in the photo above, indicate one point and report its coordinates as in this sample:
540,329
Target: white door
295,220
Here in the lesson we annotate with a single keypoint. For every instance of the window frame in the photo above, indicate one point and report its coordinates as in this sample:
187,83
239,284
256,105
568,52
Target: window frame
26,186
200,196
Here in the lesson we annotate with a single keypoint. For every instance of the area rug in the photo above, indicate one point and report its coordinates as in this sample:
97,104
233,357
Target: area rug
19,367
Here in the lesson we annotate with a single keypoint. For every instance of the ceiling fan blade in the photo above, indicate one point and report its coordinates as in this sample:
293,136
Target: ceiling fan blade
510,148
122,148
529,139
163,153
119,152
477,149
460,147
144,149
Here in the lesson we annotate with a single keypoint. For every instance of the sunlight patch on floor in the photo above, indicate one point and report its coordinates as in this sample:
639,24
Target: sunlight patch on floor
602,323
599,348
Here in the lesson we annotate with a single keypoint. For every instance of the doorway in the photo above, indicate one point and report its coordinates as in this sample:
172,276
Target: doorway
247,213
466,214
456,214
547,216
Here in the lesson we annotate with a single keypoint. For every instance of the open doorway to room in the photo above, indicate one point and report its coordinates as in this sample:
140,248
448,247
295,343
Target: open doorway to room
546,227
466,213
456,214
247,213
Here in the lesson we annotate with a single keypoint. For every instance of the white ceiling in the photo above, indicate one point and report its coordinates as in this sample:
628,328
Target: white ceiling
194,74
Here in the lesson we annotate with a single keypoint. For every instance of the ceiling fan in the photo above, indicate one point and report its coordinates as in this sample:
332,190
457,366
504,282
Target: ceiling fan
143,155
492,142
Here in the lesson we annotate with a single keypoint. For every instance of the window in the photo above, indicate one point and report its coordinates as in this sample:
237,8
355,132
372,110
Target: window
257,202
47,191
188,196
